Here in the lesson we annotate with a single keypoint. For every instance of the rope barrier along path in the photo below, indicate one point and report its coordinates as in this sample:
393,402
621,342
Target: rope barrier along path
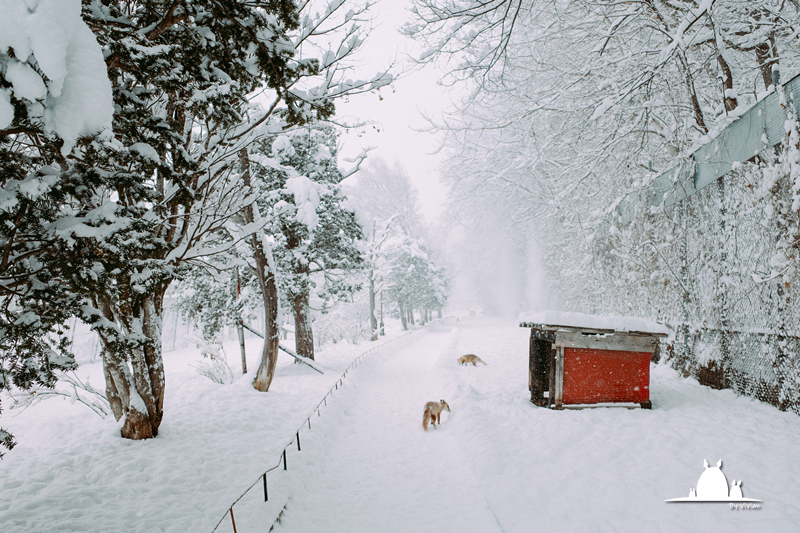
250,511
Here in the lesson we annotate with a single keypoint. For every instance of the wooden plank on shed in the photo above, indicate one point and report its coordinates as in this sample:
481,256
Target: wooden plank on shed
559,378
551,377
627,343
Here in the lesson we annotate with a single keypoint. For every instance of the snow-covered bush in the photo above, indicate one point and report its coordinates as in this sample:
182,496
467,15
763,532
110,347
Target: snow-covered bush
70,387
214,364
344,321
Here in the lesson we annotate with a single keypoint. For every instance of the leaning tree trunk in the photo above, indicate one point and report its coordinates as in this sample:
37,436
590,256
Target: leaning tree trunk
269,290
303,334
132,363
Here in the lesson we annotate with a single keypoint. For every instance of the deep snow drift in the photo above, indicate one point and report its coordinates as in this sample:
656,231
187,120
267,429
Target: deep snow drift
496,463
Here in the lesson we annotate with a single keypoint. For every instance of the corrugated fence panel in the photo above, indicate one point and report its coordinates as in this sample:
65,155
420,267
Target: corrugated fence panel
760,127
740,141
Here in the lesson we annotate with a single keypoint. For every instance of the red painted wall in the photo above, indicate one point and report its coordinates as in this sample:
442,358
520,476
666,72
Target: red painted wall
598,376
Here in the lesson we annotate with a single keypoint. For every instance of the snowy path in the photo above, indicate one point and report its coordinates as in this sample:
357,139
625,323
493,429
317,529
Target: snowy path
386,474
501,464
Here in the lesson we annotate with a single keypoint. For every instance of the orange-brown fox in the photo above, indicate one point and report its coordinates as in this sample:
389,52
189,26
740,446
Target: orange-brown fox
470,358
433,412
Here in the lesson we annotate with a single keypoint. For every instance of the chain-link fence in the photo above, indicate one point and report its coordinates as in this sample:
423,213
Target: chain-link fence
714,267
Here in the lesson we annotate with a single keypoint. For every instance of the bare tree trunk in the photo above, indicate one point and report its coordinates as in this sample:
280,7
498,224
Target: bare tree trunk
766,53
303,334
239,325
382,330
727,83
765,59
373,321
692,92
132,363
403,316
411,316
269,293
269,354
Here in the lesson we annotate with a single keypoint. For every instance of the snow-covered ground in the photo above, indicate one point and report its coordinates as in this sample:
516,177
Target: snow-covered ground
71,471
497,462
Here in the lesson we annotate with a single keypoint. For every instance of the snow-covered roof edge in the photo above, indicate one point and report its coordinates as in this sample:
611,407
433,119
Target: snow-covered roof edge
581,320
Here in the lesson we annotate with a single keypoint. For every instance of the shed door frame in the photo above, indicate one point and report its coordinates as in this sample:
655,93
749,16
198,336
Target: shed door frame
558,399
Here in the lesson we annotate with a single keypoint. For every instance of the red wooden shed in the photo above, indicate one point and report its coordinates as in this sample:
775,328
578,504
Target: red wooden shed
580,359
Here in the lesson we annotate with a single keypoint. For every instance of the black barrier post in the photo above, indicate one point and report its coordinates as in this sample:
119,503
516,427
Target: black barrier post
284,458
298,441
266,495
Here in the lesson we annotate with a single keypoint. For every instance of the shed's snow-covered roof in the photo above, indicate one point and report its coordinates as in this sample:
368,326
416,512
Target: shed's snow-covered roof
598,322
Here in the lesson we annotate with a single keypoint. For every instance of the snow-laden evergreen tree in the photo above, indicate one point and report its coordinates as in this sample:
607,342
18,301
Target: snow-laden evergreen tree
316,236
140,201
216,293
181,75
313,239
414,281
388,211
53,89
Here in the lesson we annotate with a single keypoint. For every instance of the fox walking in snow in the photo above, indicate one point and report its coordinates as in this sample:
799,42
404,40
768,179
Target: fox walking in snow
470,358
433,412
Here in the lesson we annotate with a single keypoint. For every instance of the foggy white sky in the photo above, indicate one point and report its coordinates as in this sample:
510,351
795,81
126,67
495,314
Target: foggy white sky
400,113
494,277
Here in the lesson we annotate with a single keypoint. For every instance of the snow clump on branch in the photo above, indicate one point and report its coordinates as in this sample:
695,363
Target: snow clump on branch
57,70
306,198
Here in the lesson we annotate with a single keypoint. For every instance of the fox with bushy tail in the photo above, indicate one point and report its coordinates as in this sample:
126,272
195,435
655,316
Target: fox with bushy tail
470,358
433,412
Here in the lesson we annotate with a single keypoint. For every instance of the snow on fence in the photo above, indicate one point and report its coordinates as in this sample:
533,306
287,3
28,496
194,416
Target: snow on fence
710,250
261,480
759,128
